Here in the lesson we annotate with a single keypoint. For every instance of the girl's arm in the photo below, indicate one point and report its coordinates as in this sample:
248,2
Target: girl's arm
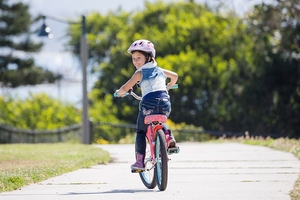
129,84
173,76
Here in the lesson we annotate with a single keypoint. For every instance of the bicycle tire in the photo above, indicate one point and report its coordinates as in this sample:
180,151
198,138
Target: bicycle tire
161,155
148,176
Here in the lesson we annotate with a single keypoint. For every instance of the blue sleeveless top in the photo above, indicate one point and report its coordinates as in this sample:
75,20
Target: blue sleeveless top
153,82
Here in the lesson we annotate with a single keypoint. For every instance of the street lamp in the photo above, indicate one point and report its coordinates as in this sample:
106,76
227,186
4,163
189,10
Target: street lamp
45,31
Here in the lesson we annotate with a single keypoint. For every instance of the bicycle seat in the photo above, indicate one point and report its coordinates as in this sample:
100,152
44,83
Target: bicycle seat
155,118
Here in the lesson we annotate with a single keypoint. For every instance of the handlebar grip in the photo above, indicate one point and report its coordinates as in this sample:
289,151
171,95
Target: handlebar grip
174,86
116,95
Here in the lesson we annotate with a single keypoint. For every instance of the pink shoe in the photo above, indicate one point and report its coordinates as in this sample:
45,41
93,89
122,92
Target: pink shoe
139,164
170,140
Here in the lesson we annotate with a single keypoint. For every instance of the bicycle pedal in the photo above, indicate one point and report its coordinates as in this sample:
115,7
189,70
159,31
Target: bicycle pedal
136,170
173,150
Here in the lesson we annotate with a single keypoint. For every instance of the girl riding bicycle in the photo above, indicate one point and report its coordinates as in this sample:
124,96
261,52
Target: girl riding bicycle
155,98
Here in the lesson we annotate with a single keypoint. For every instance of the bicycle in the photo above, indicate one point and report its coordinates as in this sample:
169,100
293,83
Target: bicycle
156,155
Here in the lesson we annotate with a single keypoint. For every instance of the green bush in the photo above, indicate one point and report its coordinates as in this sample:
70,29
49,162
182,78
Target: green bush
38,112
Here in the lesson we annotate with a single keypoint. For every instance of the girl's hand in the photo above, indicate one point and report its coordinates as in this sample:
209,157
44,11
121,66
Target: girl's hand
120,93
169,85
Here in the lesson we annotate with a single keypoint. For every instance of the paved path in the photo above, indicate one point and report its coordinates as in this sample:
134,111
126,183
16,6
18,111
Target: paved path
209,171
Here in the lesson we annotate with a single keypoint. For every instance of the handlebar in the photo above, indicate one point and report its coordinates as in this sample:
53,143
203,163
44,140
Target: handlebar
130,92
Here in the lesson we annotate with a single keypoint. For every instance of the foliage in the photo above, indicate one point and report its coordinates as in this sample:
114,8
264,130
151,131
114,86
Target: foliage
38,112
195,40
16,47
188,133
104,111
235,74
270,98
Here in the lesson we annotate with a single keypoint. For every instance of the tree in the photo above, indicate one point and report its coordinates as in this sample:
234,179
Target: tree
16,46
273,86
189,39
235,74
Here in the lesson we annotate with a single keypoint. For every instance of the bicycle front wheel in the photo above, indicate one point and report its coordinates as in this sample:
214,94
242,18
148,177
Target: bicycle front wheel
161,155
148,176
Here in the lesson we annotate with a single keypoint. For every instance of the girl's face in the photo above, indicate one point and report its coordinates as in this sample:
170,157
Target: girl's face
138,59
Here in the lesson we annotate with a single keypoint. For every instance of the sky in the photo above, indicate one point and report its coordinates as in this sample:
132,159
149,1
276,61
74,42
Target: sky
53,56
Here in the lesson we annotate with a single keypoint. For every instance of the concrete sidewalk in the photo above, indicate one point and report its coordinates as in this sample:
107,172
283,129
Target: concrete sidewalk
225,171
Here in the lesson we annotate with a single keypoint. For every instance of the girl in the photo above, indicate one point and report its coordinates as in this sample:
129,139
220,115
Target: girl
155,97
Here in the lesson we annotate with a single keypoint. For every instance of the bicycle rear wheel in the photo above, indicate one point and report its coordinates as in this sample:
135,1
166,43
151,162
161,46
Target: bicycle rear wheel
161,155
148,176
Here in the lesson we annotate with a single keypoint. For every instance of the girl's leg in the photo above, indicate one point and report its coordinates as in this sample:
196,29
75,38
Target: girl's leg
140,144
165,108
140,147
170,139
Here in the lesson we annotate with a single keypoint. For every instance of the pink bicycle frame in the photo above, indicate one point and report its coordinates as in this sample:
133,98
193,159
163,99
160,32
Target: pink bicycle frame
153,128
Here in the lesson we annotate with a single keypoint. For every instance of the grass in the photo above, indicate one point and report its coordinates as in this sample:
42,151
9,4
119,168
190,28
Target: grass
283,144
23,164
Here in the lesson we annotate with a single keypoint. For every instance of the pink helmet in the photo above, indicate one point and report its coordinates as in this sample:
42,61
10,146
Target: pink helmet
142,45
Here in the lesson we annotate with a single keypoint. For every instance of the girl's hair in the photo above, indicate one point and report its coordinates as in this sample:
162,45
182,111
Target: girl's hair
148,56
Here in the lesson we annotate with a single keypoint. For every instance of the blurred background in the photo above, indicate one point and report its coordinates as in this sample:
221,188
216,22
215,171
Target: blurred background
238,63
53,55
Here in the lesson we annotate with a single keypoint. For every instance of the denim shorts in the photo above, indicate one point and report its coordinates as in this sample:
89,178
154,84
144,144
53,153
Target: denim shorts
149,107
